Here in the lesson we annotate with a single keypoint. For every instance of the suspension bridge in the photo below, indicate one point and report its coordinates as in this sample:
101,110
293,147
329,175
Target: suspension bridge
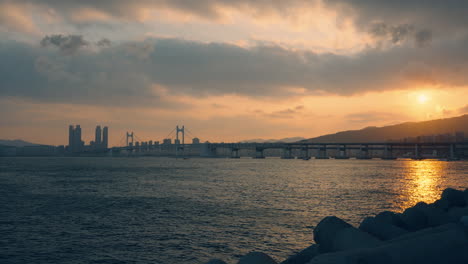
174,145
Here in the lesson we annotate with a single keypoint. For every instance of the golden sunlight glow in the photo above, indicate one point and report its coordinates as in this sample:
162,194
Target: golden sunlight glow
422,98
421,182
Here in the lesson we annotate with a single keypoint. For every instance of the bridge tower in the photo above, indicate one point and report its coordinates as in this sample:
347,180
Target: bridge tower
129,136
178,145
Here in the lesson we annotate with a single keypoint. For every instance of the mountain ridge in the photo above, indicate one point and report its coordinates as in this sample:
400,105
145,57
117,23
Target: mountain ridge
397,132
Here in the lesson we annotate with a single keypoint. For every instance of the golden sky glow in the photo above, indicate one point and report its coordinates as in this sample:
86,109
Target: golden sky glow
227,70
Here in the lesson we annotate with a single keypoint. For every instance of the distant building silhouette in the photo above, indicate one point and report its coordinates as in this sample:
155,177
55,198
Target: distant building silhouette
105,138
195,141
97,138
75,144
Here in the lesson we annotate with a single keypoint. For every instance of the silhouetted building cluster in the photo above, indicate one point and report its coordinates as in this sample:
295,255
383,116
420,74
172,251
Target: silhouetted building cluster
77,145
439,138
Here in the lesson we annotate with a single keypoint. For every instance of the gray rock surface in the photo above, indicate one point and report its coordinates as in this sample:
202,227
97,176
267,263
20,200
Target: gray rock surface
414,219
325,231
353,238
303,256
449,246
381,229
256,258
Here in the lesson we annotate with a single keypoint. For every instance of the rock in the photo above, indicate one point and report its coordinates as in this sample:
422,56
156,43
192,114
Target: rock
353,238
390,218
303,256
464,221
414,219
456,213
425,232
381,229
325,231
453,197
449,246
435,215
215,261
256,258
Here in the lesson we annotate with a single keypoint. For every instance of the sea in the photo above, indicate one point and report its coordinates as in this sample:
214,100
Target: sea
166,210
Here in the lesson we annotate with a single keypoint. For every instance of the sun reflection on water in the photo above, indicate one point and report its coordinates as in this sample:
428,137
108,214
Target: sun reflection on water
421,182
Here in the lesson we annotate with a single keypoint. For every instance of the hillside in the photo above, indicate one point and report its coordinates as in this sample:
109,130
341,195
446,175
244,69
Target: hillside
16,143
396,132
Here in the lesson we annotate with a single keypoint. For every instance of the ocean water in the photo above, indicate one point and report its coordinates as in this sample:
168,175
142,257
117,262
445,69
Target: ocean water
158,210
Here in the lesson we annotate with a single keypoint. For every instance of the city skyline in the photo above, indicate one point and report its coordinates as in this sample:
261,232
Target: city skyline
230,71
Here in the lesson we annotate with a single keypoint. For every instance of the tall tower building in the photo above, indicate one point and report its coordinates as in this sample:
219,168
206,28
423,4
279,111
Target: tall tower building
77,139
105,138
71,140
97,138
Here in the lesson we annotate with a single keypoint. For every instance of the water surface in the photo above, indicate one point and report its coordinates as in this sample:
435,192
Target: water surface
157,210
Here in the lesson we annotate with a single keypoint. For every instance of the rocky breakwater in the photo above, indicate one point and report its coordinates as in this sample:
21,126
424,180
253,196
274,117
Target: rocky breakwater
424,233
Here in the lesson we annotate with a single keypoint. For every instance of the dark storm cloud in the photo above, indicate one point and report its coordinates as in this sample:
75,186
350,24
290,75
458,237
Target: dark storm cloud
104,43
128,74
447,15
67,44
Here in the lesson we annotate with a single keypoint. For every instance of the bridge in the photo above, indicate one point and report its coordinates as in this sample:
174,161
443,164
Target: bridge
296,150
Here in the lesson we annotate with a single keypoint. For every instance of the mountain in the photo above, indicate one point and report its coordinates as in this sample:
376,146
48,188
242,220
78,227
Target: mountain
396,132
285,140
16,143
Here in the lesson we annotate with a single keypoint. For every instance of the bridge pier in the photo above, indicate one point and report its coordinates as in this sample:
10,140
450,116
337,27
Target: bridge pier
341,152
453,154
259,153
322,152
304,153
417,152
364,152
388,153
287,153
235,153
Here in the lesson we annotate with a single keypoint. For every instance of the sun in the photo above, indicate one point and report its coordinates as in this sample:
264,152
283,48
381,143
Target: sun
422,98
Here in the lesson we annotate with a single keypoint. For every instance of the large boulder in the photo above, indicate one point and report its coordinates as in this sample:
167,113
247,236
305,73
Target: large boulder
448,246
215,261
381,229
256,258
303,256
456,213
325,231
390,218
451,197
435,215
353,238
414,219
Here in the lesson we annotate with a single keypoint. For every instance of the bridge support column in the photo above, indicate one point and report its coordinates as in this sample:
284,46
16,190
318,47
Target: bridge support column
322,152
259,153
304,153
453,155
341,152
417,152
287,153
235,153
364,152
388,153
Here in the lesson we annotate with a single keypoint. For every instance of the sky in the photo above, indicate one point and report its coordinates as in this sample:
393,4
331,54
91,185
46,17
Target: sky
228,70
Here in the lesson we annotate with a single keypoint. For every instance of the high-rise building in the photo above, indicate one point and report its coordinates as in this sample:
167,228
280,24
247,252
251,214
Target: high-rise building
97,138
105,138
71,139
77,137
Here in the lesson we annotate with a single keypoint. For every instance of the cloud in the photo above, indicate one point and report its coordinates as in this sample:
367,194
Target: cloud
127,73
104,43
67,44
